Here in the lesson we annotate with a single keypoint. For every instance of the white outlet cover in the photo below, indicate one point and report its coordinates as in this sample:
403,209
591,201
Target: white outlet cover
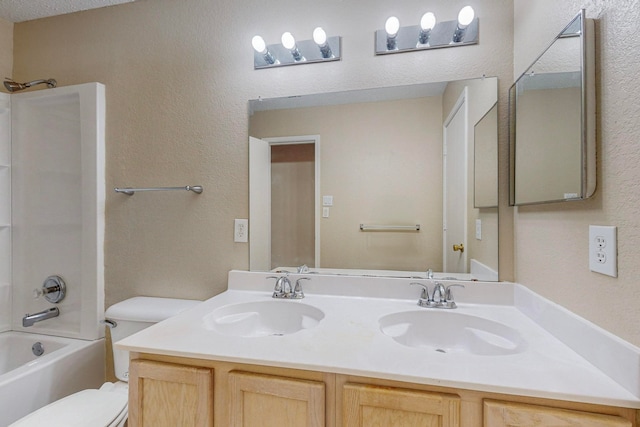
603,250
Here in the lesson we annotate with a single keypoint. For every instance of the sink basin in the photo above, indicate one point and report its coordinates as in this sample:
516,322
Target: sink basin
263,318
451,332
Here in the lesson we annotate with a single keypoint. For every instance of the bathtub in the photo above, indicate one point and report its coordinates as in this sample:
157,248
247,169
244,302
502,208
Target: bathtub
28,382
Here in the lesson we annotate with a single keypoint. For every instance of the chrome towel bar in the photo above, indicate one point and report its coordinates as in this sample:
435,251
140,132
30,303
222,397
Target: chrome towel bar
131,191
364,227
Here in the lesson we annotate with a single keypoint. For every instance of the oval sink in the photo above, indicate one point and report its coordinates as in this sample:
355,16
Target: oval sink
448,332
263,318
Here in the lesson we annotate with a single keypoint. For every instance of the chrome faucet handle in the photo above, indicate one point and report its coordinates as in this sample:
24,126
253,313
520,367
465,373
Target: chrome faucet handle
448,296
430,274
424,300
303,269
297,290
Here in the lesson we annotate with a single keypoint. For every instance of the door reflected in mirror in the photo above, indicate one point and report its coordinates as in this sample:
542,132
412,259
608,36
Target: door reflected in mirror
378,161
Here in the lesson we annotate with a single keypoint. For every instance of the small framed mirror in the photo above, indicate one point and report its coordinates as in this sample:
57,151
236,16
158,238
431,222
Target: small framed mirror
552,121
485,160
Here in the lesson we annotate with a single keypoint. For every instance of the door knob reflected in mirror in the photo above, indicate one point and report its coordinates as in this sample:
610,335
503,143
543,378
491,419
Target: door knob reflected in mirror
459,247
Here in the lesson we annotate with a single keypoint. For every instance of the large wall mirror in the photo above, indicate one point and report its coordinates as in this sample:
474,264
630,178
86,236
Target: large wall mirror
377,181
552,121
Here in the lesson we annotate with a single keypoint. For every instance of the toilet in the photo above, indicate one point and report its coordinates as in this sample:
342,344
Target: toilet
107,406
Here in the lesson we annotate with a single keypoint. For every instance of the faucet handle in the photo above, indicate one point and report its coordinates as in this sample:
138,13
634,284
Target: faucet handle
448,295
424,300
297,290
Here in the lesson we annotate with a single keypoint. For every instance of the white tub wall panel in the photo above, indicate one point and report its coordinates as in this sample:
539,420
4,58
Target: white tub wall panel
58,205
5,129
78,365
5,212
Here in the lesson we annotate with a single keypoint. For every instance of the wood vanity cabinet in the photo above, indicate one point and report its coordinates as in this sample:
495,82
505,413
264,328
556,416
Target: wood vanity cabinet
506,414
366,405
258,400
174,391
164,394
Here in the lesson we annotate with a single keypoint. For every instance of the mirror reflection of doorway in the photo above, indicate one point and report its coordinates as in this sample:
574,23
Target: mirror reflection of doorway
292,205
284,194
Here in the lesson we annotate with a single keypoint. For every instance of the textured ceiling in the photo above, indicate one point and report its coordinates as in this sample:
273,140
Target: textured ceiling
26,10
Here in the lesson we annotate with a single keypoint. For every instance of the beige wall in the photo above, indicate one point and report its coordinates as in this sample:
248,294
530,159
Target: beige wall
552,240
6,50
375,159
178,75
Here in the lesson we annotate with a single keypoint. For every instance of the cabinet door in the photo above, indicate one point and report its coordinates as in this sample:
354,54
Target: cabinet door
164,394
258,400
504,414
373,406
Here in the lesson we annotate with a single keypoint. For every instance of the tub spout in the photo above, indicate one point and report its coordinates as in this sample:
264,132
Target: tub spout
30,319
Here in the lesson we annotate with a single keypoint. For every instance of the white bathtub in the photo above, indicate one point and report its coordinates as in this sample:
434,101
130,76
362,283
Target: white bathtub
28,382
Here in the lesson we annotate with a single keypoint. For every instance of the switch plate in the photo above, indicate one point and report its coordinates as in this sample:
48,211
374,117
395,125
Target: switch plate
325,212
478,229
241,230
603,250
327,200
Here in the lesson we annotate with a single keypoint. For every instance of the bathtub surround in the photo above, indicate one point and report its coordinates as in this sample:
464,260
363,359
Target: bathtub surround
5,212
57,206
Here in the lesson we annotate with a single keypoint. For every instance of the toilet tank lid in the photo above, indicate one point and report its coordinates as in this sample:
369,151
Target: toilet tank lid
148,309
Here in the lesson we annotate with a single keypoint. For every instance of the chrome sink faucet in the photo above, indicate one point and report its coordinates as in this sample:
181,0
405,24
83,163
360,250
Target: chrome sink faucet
442,297
284,290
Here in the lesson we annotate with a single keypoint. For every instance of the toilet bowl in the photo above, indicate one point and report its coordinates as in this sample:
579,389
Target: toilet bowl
108,405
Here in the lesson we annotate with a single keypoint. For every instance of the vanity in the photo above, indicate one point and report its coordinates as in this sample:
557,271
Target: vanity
359,351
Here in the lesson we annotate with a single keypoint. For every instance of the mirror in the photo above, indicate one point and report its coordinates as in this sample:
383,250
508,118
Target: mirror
552,121
485,158
362,186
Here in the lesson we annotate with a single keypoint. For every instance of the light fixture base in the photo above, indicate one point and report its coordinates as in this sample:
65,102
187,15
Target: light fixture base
408,38
310,53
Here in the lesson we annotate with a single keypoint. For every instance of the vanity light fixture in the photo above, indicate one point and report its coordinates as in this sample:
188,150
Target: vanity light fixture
289,43
429,34
261,48
391,27
291,52
427,22
465,17
320,38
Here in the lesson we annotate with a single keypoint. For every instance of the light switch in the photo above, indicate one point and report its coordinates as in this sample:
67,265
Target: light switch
478,229
327,200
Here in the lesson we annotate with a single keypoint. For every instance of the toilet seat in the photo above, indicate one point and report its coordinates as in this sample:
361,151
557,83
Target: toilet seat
95,408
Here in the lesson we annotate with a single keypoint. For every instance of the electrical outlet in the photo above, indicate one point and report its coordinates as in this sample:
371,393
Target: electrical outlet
603,250
241,230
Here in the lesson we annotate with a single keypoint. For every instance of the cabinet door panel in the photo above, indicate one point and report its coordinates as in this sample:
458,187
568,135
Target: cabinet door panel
269,401
373,406
164,394
504,414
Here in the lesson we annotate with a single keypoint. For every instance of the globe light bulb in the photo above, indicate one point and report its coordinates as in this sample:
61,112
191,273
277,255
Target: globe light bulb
319,36
392,26
288,41
428,21
258,44
465,17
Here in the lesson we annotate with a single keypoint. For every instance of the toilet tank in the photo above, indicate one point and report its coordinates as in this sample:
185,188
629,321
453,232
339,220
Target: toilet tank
135,314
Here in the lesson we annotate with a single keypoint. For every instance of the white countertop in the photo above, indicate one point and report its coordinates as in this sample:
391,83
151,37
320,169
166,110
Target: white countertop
348,340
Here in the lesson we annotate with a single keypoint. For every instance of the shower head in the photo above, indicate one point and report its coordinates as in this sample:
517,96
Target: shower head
14,86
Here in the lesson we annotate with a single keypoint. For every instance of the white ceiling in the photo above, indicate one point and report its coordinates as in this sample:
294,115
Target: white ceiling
26,10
